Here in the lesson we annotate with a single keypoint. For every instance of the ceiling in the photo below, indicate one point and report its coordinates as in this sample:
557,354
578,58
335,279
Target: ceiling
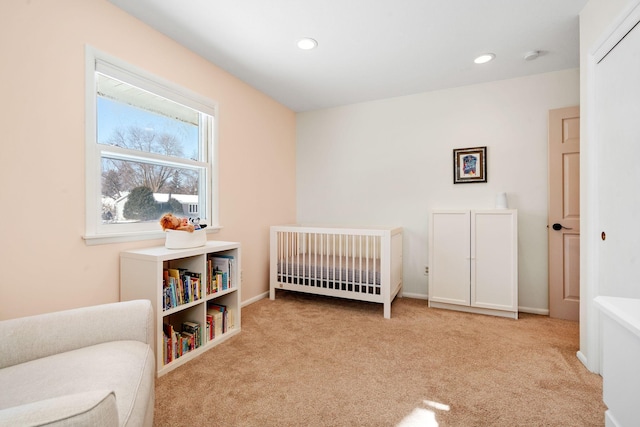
368,49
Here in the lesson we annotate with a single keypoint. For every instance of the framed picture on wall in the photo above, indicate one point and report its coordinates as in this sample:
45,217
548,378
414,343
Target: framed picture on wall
469,165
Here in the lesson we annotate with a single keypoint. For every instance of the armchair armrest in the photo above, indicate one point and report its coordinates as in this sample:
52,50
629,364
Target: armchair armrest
34,337
92,408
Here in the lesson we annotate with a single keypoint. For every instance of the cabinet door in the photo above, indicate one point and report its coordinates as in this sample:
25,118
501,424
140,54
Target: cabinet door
449,251
494,260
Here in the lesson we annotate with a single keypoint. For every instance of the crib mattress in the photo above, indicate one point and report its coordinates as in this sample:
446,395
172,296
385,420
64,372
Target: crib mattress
331,268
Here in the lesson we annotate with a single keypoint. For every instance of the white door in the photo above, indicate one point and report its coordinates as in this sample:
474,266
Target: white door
617,112
449,253
494,260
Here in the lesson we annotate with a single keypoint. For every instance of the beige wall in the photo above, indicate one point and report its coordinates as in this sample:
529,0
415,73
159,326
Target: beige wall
389,162
44,261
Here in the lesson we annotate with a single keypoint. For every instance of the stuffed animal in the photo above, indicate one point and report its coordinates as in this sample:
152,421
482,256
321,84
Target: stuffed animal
172,222
196,223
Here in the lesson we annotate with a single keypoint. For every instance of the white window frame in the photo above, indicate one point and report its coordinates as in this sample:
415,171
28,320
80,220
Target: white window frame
95,231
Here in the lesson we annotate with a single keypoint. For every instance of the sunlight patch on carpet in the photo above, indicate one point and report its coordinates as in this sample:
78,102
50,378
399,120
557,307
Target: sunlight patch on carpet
419,418
437,405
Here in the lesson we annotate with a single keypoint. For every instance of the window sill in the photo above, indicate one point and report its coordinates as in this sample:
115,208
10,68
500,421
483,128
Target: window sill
103,239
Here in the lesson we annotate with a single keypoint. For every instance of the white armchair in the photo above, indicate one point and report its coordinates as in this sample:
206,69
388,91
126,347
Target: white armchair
87,366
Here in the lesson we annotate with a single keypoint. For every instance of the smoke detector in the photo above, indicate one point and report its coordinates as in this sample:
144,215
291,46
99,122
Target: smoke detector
531,55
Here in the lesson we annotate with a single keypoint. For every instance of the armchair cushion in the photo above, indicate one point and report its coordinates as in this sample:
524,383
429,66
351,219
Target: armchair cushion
94,408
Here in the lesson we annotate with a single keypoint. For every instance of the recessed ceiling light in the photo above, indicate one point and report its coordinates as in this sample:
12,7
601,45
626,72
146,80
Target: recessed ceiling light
307,43
484,58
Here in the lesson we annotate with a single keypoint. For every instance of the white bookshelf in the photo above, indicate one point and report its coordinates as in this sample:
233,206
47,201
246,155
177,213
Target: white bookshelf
141,277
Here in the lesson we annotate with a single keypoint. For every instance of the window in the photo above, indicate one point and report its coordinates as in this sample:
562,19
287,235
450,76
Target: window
150,150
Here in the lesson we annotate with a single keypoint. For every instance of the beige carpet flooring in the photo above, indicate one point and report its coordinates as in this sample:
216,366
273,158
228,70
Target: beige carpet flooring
304,360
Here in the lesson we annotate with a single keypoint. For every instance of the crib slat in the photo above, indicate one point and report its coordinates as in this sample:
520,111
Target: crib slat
305,249
305,262
353,263
367,262
283,254
375,262
296,256
321,272
287,252
342,278
359,258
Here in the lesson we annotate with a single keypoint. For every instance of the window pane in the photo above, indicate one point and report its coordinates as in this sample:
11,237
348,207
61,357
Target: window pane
132,118
137,191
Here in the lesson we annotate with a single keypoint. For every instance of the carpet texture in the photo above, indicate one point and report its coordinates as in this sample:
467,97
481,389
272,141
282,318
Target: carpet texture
305,360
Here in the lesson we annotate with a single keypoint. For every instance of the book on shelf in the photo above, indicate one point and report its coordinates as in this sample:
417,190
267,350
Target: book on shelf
187,342
216,316
226,314
180,287
165,277
231,321
191,283
168,343
174,279
224,269
178,343
221,272
212,282
166,298
193,328
196,282
210,328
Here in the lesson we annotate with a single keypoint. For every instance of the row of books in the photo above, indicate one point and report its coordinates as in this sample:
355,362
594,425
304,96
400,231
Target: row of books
220,319
221,273
178,343
180,286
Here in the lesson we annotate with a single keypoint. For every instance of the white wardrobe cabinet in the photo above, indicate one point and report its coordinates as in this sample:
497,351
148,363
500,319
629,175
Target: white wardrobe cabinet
473,261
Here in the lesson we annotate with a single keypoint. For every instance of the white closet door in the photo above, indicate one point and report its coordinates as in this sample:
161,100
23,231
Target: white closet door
494,260
449,257
617,111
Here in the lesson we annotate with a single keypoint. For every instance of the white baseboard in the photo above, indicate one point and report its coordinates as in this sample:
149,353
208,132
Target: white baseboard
254,299
476,310
609,420
416,296
582,358
541,311
531,310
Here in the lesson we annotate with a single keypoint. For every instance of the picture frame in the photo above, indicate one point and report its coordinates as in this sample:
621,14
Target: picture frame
469,165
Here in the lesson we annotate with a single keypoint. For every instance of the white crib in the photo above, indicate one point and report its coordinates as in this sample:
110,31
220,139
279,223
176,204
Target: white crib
362,264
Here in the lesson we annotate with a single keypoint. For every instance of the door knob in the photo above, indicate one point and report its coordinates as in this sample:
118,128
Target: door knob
558,227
